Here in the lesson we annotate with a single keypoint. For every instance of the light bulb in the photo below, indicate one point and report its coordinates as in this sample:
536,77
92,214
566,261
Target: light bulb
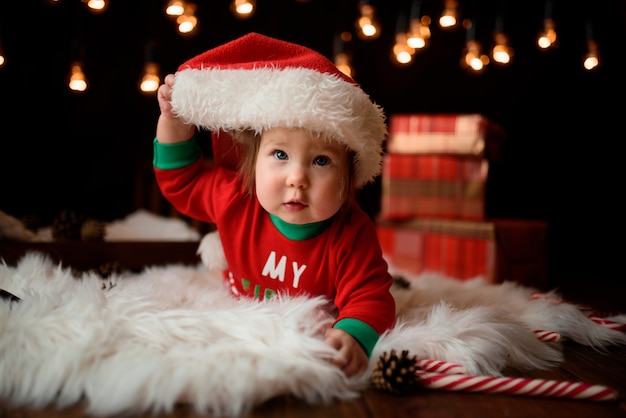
448,18
402,53
78,81
501,52
96,5
175,8
473,58
150,81
547,37
418,33
243,8
187,21
591,60
367,25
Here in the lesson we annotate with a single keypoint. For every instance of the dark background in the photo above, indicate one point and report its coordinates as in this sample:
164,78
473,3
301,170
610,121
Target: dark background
562,163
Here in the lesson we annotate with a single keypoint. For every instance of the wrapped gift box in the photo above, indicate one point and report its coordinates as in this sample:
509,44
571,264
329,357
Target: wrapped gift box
496,250
437,186
458,134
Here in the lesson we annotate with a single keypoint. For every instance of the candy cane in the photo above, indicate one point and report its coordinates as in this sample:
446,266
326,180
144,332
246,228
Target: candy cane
617,326
548,336
438,366
545,296
515,386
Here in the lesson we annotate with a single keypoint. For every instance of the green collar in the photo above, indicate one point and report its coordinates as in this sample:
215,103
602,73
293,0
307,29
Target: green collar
298,232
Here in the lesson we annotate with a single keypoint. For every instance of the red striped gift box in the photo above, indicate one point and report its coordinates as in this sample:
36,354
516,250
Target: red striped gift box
495,250
437,186
434,167
460,134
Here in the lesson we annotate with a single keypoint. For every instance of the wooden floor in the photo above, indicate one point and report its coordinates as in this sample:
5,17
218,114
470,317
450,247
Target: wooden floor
582,364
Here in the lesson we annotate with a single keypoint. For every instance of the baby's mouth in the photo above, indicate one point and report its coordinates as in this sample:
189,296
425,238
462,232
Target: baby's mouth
294,205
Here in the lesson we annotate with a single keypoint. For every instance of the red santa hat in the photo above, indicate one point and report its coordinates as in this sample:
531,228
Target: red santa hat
257,82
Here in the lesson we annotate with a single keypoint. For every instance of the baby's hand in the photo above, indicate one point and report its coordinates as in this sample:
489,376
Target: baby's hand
165,96
351,357
170,128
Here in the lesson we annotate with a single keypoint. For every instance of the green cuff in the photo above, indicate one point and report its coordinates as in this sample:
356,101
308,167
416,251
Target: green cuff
173,156
363,333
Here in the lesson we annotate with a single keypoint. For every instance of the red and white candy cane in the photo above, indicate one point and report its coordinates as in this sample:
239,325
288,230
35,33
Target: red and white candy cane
548,336
594,316
617,326
515,386
438,366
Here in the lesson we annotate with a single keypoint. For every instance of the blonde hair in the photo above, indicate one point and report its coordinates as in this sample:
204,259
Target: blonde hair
250,141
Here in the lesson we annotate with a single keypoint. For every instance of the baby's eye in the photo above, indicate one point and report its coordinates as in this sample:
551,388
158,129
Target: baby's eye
321,160
281,155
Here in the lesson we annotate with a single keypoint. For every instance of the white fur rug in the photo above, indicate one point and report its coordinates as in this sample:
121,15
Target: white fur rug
144,342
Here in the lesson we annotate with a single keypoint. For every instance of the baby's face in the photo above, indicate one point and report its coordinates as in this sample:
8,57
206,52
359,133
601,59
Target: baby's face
299,176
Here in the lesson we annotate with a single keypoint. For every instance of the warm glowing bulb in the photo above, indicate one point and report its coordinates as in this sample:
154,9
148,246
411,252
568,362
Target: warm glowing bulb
368,27
547,37
175,8
342,62
96,5
186,22
243,8
447,21
501,51
416,42
473,58
591,60
77,79
150,81
476,63
402,52
416,38
501,54
1,59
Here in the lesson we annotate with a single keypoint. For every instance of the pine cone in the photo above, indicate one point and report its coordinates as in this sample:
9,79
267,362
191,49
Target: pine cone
93,230
67,225
393,373
401,281
105,270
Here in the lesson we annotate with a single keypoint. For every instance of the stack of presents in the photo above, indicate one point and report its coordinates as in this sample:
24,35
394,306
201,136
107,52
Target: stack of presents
433,207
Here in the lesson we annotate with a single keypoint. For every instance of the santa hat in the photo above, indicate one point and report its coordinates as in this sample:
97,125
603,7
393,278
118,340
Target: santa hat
257,82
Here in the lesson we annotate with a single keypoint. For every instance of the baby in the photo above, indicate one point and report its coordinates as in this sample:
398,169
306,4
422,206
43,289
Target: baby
306,138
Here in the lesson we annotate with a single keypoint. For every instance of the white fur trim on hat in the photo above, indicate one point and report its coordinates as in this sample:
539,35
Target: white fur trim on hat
259,83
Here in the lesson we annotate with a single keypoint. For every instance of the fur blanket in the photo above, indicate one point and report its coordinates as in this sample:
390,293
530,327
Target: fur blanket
146,341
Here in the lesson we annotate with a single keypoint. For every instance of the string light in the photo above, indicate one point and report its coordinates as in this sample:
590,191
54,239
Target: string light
591,59
448,18
2,59
150,80
419,29
175,8
402,52
367,25
501,52
243,9
547,36
78,81
413,37
473,59
343,60
187,22
96,6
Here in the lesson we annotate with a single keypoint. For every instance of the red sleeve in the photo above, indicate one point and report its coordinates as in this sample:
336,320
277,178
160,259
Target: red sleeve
364,282
198,190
